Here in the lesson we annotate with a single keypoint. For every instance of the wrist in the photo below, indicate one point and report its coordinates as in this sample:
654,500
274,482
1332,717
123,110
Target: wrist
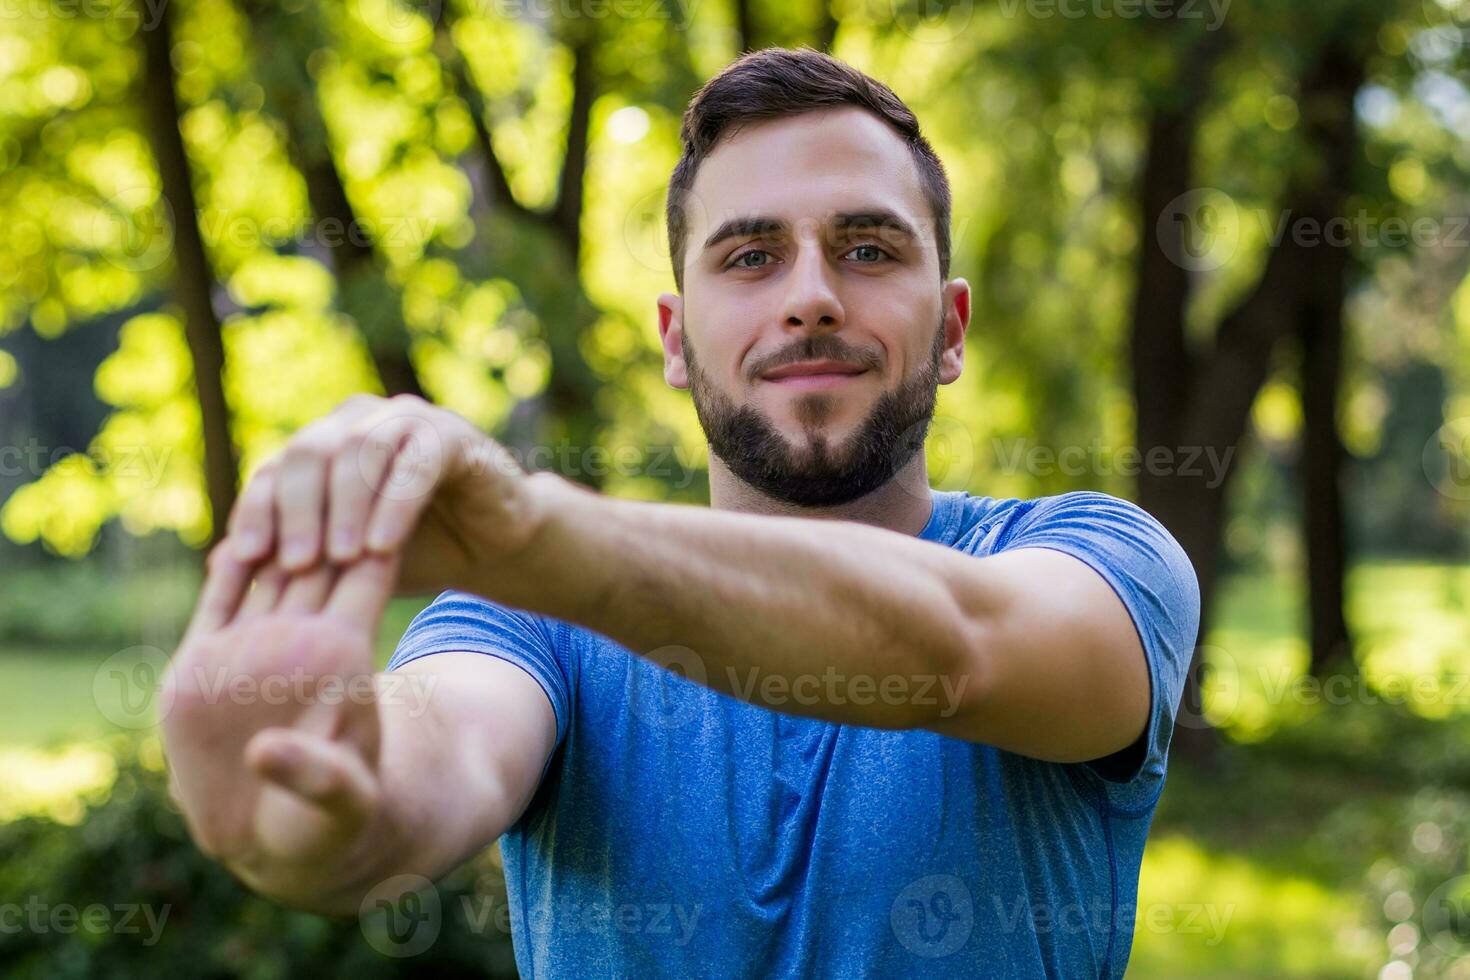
515,575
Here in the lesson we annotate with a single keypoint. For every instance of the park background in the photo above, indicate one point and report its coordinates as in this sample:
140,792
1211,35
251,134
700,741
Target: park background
1233,233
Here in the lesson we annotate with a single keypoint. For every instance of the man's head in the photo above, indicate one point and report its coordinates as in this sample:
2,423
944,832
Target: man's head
809,221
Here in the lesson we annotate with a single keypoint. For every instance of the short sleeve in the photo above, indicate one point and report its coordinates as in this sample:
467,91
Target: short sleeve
1153,576
466,623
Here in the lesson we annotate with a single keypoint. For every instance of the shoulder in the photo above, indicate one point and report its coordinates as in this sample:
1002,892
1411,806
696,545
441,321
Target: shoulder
1102,519
1121,540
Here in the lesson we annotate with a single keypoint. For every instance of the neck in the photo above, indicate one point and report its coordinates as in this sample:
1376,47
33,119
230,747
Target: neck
903,504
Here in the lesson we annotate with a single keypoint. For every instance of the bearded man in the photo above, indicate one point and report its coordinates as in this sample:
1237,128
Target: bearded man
837,723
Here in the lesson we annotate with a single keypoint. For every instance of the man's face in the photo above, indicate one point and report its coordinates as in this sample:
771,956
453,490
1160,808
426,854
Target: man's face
809,240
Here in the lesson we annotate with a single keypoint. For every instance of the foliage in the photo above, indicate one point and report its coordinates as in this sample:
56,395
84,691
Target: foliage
191,917
1020,96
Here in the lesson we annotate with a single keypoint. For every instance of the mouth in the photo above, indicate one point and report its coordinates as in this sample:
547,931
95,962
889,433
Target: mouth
814,374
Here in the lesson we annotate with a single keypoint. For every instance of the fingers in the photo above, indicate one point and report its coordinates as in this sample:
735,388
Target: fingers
224,587
270,582
253,524
307,592
301,504
356,475
281,506
365,469
416,468
325,773
362,591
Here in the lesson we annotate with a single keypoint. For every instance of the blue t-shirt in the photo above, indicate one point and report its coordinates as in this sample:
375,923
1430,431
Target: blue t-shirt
680,831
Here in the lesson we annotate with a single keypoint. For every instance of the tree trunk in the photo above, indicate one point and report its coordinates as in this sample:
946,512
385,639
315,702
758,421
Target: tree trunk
1189,401
1322,470
744,27
827,24
193,276
1162,366
1331,122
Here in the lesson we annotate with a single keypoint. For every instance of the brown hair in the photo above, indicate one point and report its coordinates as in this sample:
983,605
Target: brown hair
776,82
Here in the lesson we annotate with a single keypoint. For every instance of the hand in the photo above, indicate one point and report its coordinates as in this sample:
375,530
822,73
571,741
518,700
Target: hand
273,730
388,475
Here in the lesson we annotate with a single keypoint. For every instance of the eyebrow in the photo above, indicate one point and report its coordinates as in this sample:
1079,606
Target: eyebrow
844,221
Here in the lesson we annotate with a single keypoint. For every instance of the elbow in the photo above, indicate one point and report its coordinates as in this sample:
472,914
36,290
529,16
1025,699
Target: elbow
966,685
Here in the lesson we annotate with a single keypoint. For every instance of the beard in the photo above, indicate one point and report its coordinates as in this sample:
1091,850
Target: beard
820,474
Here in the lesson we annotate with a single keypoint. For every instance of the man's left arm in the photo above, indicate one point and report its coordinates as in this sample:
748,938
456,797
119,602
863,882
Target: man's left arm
1029,650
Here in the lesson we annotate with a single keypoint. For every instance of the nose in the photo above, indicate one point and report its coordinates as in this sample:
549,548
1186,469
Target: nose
811,300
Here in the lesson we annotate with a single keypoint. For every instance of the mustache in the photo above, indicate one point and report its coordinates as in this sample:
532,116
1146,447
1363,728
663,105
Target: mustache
824,347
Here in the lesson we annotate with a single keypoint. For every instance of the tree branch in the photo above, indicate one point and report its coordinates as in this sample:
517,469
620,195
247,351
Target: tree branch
364,291
464,83
567,214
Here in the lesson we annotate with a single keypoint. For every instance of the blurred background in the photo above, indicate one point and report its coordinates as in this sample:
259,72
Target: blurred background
1219,252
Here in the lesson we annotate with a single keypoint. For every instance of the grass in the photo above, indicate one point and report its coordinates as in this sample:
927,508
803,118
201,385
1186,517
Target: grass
47,694
1302,854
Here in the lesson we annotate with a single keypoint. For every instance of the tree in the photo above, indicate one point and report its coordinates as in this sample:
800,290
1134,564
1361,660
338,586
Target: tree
1202,398
193,274
283,46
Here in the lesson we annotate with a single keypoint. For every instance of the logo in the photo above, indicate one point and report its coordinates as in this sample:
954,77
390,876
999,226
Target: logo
656,697
137,226
399,464
931,21
1447,916
646,229
399,22
126,686
1447,459
1215,701
933,917
401,916
1199,230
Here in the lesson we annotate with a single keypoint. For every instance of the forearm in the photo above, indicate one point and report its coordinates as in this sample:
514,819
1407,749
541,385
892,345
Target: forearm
831,619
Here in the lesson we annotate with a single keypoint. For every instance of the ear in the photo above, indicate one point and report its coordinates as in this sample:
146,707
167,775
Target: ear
671,336
955,297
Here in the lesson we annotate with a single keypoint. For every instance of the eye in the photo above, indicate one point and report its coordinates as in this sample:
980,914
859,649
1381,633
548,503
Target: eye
875,253
740,262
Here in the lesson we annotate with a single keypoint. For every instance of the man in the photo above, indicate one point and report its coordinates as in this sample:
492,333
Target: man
835,724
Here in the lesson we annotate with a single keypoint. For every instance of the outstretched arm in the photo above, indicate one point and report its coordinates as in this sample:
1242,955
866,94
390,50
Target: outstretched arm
1029,650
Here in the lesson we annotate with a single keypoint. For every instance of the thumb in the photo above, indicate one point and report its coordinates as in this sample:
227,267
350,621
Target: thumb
328,775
